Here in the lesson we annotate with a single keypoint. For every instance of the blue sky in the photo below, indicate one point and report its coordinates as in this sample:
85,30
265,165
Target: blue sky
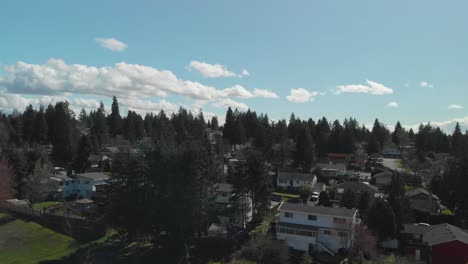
394,60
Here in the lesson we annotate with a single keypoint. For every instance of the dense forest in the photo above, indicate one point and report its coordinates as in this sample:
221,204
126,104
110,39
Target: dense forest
181,157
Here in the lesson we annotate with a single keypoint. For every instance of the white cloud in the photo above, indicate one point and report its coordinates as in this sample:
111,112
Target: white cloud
301,95
111,44
448,126
225,103
237,91
122,80
265,93
146,106
393,104
245,73
426,84
211,70
455,106
373,88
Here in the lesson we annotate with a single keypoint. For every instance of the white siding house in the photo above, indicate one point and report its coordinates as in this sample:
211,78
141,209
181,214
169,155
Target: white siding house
295,180
316,228
224,207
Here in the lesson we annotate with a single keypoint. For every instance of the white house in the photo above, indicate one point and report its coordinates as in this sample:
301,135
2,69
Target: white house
226,213
295,180
332,170
316,228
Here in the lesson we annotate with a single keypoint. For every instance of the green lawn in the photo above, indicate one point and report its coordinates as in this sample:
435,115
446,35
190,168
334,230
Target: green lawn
44,205
287,195
28,242
3,215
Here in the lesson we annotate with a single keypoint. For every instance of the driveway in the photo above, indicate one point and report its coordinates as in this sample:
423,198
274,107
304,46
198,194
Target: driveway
393,164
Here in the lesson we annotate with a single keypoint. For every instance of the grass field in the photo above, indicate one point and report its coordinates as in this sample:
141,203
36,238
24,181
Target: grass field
44,205
287,195
28,242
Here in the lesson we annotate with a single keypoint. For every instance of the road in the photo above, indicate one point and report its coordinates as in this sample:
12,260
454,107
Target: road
392,164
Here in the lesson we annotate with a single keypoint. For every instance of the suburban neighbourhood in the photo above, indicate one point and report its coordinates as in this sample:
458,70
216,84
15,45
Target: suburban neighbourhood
234,132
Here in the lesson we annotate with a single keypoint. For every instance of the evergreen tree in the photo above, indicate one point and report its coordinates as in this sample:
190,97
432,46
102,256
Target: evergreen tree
115,120
305,150
381,219
40,127
29,116
348,200
85,148
62,150
214,123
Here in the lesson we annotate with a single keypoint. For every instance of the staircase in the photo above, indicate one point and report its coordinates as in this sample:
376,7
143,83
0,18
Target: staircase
327,249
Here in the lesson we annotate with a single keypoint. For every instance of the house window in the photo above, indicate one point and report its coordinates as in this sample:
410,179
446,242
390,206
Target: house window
327,232
312,217
61,183
224,194
78,182
288,214
67,183
73,182
86,182
342,234
339,220
283,181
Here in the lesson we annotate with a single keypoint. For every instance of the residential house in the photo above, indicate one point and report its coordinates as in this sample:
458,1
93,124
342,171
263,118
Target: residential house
391,153
295,180
443,243
423,201
357,188
319,187
82,185
447,244
383,179
316,228
227,212
339,157
333,170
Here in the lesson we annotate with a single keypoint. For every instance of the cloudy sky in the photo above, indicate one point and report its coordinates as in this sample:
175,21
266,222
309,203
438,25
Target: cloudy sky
395,60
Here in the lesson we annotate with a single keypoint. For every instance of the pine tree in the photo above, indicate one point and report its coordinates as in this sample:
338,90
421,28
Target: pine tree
85,148
305,150
115,120
62,133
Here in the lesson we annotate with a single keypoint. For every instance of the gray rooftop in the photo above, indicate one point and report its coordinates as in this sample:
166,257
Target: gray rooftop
295,176
357,187
93,175
331,211
385,174
419,190
417,229
223,187
331,166
445,233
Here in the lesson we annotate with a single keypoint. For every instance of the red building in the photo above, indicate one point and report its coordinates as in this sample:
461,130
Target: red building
447,244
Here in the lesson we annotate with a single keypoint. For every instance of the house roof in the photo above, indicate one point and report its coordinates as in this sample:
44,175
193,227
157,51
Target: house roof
223,187
332,211
419,190
331,166
111,149
357,187
93,175
61,176
418,229
384,175
445,233
295,176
